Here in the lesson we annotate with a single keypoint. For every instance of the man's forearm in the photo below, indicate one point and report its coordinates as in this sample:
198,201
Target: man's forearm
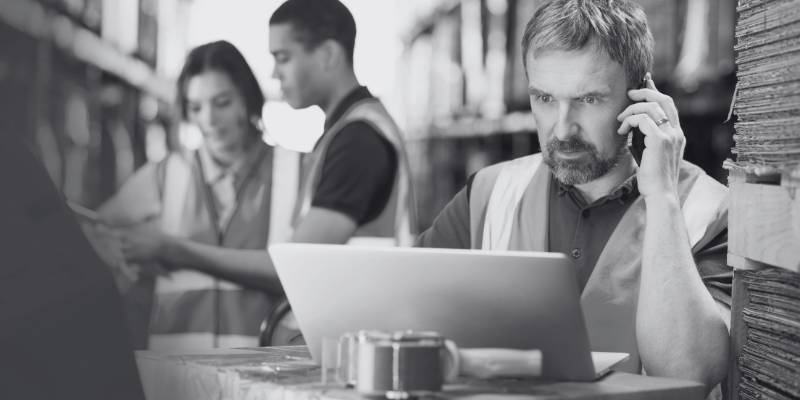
249,268
679,331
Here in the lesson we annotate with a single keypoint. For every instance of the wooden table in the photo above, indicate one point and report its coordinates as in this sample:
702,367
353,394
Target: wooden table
288,373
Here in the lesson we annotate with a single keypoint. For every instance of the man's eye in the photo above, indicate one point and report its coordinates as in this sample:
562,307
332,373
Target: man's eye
544,98
589,99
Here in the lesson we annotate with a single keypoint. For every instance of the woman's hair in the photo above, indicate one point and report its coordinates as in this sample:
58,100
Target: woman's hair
221,56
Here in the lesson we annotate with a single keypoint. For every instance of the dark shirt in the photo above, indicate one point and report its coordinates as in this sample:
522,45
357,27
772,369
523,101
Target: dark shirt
574,225
577,229
358,173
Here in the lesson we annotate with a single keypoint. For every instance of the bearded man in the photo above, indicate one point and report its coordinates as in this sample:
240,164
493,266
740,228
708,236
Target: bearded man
648,240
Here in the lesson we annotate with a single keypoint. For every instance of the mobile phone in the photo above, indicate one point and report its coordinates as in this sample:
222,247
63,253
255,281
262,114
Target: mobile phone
637,137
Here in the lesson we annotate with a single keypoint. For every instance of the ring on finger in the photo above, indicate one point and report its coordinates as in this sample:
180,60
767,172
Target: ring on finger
662,121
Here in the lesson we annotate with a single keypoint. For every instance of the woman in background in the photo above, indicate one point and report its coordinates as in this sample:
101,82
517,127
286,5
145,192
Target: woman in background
203,216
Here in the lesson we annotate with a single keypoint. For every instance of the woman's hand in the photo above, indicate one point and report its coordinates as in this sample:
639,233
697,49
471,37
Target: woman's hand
142,243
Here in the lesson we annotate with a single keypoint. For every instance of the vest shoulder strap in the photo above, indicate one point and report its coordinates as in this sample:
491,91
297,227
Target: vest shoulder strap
373,112
479,194
370,111
496,190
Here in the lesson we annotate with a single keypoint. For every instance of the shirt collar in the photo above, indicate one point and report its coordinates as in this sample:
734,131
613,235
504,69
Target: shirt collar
357,94
622,192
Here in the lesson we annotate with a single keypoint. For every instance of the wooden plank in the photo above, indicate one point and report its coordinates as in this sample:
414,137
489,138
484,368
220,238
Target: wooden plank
764,222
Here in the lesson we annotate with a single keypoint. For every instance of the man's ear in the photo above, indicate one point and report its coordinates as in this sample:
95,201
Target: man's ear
332,54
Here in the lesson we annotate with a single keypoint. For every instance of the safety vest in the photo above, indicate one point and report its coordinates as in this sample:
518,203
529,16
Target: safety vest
194,310
509,211
396,223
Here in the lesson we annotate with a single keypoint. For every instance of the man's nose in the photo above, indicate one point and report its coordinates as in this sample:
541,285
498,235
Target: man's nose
566,126
276,73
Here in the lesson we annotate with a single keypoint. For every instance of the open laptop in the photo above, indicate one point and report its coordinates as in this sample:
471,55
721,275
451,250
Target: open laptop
485,299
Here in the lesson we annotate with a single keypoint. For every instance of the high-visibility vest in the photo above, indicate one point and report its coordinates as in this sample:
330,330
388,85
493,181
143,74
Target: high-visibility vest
396,223
194,310
509,211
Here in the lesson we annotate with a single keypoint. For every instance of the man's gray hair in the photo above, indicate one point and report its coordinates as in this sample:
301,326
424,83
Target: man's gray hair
618,27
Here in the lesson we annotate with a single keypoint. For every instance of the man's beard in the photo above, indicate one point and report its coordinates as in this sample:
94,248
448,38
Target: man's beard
590,166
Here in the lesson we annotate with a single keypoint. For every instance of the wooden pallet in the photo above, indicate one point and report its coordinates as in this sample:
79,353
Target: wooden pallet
764,219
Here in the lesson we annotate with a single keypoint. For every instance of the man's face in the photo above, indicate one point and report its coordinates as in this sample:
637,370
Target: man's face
575,99
299,70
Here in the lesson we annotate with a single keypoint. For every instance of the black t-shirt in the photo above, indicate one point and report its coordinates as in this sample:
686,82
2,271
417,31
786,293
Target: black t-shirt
358,173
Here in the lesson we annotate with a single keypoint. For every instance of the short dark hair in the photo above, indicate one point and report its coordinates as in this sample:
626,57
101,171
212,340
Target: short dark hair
221,56
314,21
619,28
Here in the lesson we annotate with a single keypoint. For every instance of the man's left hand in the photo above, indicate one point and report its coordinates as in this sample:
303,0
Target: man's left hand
656,116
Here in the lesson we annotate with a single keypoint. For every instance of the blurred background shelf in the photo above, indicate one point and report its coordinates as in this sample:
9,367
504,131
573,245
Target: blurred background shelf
90,83
84,83
467,127
75,30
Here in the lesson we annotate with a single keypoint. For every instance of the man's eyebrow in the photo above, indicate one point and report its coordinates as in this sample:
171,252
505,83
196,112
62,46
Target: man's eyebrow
595,93
604,92
533,90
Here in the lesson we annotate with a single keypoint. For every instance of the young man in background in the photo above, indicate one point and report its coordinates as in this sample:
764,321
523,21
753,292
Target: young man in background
355,183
